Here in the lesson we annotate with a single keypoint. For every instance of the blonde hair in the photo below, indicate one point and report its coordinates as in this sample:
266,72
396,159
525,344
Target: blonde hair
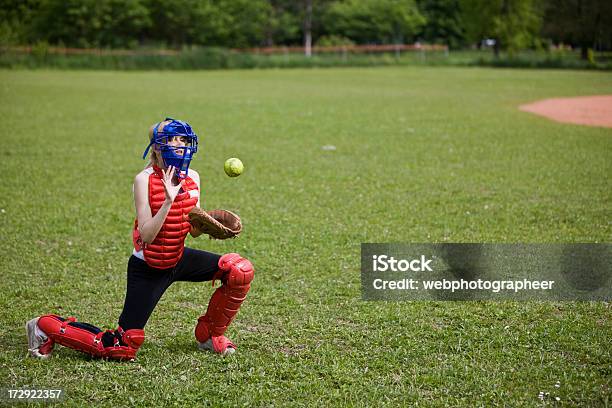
154,155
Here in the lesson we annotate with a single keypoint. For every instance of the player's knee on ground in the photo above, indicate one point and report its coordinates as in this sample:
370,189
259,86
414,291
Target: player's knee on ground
115,344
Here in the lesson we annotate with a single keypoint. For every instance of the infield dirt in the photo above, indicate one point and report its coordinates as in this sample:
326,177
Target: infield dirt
581,110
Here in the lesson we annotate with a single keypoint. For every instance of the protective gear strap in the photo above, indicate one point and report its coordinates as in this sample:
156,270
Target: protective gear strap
147,149
236,273
153,137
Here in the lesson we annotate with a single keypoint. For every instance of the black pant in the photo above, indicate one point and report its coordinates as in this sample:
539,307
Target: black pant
146,285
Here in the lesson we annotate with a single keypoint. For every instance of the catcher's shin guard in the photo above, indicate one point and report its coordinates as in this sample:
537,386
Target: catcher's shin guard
115,344
236,273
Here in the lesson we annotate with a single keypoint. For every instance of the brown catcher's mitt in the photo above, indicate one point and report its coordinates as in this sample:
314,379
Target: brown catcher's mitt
218,224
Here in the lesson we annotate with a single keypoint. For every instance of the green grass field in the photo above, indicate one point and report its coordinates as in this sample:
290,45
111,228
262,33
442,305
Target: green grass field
422,155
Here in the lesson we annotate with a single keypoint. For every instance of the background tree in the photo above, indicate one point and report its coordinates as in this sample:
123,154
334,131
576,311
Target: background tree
16,18
308,14
585,23
90,23
186,22
513,24
283,26
246,22
374,21
444,25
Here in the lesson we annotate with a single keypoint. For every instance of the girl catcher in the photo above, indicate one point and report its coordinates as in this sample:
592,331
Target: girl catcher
165,193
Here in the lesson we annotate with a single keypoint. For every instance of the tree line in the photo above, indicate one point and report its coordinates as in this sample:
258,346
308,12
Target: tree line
507,24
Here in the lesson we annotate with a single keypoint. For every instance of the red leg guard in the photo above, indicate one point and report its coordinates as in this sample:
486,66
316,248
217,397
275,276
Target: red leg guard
236,273
124,347
73,337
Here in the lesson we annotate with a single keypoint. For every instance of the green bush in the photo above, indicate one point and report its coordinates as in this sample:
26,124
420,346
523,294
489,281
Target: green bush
334,41
195,58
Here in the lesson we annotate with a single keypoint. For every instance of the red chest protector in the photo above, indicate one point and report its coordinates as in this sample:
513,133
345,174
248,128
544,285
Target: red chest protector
167,248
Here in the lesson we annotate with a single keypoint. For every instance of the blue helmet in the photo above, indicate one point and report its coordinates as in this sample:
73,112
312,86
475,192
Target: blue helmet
177,156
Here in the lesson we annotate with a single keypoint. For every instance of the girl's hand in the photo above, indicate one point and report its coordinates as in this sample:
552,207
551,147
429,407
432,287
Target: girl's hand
169,187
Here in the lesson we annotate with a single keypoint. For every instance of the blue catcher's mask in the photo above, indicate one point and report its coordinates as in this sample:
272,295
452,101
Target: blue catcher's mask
177,156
